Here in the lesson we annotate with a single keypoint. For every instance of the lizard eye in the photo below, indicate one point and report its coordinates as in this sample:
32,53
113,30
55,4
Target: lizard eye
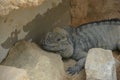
58,39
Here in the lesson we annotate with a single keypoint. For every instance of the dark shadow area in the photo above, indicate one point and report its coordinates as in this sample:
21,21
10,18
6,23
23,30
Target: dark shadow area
11,40
58,16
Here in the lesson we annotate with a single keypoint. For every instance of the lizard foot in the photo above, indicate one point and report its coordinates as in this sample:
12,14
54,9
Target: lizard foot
74,70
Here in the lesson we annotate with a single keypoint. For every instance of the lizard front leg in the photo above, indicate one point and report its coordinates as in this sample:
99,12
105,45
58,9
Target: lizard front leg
80,58
77,67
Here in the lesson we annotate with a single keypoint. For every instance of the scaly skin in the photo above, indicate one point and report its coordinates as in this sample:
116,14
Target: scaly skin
75,42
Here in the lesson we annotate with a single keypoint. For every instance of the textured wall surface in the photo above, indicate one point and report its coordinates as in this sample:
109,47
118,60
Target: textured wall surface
92,10
31,22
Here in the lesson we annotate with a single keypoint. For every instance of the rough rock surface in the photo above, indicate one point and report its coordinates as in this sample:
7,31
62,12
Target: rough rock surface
100,65
8,5
84,11
41,65
12,73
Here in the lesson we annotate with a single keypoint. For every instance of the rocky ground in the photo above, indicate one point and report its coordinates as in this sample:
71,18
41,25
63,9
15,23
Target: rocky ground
34,63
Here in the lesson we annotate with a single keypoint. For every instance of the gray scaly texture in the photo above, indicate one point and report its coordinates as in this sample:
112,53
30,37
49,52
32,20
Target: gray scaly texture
74,43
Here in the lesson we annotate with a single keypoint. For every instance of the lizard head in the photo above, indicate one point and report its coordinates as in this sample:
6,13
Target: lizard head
53,41
57,41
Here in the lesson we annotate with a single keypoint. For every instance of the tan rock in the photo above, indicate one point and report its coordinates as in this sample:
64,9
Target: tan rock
84,11
7,6
41,65
100,65
12,73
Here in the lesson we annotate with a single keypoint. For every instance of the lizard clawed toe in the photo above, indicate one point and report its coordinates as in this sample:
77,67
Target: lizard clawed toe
73,70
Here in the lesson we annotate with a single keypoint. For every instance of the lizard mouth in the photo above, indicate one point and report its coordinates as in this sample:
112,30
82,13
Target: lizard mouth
52,48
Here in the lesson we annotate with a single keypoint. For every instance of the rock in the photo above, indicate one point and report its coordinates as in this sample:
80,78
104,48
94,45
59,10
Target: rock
12,73
100,65
8,5
85,11
41,65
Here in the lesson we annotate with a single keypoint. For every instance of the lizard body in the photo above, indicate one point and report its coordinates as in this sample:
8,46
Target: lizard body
74,43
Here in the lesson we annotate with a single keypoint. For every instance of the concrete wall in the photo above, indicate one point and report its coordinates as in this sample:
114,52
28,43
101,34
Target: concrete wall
31,23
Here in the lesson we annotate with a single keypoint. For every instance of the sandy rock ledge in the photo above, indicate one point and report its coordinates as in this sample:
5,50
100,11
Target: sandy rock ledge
7,6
